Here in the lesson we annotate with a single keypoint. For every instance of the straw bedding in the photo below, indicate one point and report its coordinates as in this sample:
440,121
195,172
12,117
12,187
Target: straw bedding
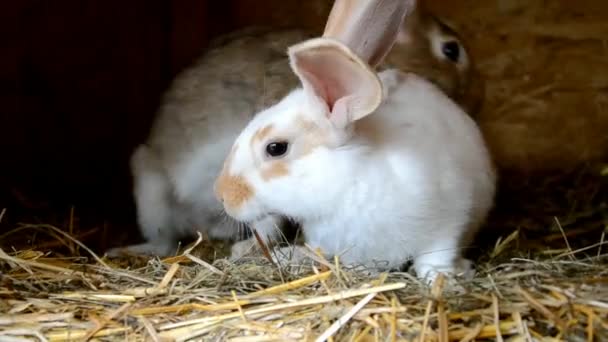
551,295
542,260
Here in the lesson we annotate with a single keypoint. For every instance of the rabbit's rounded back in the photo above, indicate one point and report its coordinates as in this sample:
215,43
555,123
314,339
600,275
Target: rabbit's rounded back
238,74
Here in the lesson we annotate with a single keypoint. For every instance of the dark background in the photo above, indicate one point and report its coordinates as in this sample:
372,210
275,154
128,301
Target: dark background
81,81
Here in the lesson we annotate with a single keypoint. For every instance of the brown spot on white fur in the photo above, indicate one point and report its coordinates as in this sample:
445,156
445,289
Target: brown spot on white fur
305,125
370,131
233,191
276,169
261,134
413,52
313,136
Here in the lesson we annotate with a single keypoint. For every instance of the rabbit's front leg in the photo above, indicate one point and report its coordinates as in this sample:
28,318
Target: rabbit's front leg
445,257
154,213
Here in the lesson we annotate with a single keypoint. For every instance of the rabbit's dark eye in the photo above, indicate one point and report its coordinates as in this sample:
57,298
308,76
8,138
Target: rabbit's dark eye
451,50
277,148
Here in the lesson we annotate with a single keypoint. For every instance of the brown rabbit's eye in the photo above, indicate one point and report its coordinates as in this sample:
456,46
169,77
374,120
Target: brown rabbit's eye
451,50
277,148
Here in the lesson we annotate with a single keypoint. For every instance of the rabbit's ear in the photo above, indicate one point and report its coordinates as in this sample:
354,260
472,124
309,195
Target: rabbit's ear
368,27
330,72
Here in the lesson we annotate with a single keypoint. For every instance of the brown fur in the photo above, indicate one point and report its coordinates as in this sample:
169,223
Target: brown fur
369,130
276,169
233,190
261,134
313,136
466,87
305,125
546,102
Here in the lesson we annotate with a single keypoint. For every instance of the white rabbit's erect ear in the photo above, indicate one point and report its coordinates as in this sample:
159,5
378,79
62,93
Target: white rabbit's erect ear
330,72
368,27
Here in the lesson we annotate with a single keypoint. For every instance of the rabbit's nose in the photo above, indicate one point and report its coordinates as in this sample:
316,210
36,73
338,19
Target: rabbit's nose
232,191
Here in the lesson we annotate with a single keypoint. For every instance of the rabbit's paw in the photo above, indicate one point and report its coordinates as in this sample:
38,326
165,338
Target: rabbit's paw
244,248
146,249
290,255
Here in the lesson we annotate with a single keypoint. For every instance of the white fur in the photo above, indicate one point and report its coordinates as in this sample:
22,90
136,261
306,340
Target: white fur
421,192
174,195
176,200
201,114
175,203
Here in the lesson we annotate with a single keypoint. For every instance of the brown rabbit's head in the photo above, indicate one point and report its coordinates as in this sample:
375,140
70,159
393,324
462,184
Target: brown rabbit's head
427,46
424,44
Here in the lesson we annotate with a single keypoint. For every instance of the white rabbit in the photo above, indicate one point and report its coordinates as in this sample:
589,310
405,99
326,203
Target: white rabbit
376,167
209,104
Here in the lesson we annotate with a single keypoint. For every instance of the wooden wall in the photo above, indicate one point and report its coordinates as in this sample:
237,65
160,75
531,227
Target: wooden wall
81,80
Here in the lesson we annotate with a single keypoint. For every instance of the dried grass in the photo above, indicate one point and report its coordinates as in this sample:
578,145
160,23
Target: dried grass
559,297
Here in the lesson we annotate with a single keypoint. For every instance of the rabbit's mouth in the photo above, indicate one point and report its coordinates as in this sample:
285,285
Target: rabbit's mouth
263,217
258,219
250,217
251,212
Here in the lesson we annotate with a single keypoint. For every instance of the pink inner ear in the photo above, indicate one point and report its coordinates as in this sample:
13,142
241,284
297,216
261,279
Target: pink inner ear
328,88
347,87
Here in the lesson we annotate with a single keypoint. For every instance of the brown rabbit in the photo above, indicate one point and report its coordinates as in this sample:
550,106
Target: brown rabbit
209,103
